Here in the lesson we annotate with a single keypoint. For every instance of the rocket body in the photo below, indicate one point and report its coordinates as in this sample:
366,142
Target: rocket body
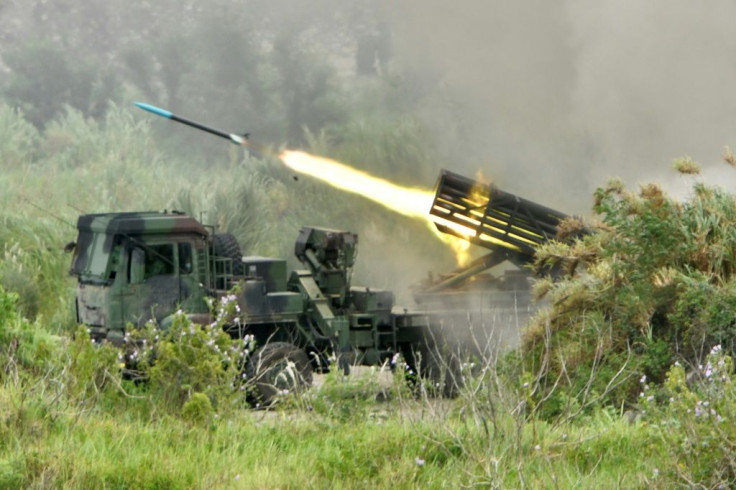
234,138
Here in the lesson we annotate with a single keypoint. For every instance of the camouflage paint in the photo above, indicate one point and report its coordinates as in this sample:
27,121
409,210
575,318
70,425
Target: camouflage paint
107,299
136,267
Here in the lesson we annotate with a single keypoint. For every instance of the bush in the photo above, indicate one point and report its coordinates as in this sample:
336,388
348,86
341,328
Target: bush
655,284
92,369
694,419
18,138
186,361
31,267
198,409
23,345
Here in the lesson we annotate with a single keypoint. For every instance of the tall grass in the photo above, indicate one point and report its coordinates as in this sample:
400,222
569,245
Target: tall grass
73,422
69,419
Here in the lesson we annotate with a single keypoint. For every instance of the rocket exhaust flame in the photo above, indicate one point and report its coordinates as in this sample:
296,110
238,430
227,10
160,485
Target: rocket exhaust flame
413,202
409,201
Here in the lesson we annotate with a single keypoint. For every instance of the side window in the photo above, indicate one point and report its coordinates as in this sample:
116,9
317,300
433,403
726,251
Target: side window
159,260
185,258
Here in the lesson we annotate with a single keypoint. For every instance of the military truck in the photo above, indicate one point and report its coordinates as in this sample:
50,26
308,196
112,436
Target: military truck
133,268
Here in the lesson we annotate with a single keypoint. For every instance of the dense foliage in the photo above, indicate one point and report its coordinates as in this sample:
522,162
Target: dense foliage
655,284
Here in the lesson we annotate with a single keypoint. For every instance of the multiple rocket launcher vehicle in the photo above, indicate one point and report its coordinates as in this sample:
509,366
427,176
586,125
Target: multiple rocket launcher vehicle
136,267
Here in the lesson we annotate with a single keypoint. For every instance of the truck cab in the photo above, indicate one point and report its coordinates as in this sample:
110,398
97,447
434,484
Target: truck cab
136,267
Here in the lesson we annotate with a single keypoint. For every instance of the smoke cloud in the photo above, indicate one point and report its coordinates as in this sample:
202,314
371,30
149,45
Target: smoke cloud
557,97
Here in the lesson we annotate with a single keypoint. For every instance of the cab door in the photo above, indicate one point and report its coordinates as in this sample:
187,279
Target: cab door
160,279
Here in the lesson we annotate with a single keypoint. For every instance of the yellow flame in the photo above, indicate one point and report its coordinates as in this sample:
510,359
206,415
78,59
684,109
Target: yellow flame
414,202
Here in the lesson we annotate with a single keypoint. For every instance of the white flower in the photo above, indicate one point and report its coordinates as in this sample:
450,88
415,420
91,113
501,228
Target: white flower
419,461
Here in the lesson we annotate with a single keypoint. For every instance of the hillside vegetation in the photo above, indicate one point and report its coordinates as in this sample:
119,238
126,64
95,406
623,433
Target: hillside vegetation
624,381
652,286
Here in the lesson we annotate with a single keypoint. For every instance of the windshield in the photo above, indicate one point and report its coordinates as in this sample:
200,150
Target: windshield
93,256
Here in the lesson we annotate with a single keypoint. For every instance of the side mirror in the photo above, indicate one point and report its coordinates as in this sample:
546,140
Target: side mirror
137,265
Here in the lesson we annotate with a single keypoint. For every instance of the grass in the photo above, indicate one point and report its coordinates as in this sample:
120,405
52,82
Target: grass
399,444
280,452
68,420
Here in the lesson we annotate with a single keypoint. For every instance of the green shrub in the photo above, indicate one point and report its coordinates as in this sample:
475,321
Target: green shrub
23,345
655,284
198,409
185,359
91,369
694,420
18,138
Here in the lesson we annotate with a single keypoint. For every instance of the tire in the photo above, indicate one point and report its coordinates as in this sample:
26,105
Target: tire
227,246
275,368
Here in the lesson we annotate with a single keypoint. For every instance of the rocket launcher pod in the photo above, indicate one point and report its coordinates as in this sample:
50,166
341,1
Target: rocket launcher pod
510,226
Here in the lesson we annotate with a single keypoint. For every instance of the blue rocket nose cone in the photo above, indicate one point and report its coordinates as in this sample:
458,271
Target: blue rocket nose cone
154,109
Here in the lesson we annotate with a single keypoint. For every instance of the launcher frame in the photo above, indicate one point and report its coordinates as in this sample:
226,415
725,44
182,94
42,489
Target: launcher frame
510,226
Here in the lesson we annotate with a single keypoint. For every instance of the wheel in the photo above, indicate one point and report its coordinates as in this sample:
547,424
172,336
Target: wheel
277,368
227,246
432,370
